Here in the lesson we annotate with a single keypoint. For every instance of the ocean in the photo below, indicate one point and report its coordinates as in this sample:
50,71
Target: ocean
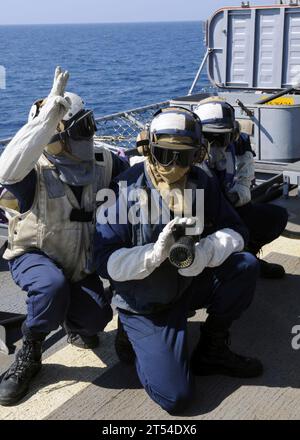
114,67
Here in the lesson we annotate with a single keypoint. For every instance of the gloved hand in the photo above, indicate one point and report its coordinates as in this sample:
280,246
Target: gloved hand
203,254
56,106
59,83
140,261
239,194
165,240
213,250
24,150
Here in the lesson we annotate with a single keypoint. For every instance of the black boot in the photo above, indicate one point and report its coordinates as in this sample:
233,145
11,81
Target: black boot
16,381
81,341
270,270
267,270
123,346
213,356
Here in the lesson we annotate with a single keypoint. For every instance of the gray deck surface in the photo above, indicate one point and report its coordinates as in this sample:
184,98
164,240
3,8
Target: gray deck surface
79,384
293,206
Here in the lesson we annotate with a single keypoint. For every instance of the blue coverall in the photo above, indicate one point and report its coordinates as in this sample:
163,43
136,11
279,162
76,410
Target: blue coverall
158,330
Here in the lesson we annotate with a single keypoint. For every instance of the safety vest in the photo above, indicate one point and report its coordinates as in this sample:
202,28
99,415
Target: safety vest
49,225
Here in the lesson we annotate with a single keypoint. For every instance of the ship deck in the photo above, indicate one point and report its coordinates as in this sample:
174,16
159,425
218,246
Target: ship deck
93,385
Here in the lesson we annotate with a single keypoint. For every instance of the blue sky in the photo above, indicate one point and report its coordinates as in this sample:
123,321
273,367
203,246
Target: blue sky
98,11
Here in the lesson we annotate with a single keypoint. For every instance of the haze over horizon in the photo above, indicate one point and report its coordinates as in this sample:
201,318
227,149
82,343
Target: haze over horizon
18,12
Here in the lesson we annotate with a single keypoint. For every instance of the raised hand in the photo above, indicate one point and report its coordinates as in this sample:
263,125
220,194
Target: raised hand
59,83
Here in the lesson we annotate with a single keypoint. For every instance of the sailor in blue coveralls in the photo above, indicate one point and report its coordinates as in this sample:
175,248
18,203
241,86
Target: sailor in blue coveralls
51,177
231,158
153,296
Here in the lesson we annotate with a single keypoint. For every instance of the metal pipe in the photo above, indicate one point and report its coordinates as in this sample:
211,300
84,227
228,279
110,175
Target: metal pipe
208,52
245,109
134,110
276,95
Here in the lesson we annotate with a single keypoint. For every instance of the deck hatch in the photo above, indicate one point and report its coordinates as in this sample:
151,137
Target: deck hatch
254,48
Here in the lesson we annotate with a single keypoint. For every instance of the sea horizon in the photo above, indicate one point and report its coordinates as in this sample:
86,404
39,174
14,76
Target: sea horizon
101,23
113,66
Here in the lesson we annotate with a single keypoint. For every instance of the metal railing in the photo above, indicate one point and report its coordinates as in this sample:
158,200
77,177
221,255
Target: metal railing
121,129
201,67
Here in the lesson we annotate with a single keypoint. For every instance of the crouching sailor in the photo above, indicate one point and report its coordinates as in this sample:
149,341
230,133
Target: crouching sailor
232,160
52,175
152,295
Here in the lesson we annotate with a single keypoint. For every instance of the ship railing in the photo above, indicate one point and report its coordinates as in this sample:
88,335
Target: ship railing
119,130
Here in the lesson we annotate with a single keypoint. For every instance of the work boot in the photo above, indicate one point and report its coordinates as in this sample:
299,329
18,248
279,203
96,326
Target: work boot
123,346
16,381
270,270
81,341
267,270
213,356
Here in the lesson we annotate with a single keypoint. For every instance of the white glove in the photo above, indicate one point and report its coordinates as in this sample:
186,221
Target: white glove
213,250
24,150
59,83
203,254
239,194
140,261
56,105
245,168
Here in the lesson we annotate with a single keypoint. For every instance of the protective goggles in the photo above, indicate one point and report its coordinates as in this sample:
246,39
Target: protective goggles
83,127
222,139
167,157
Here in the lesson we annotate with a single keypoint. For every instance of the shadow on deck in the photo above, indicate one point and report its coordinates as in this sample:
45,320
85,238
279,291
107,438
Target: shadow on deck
114,392
264,331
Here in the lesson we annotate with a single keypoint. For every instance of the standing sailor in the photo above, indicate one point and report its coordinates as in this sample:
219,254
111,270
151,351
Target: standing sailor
231,158
153,297
52,175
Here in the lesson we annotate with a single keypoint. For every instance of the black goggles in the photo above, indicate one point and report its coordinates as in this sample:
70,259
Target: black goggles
222,139
167,157
83,127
